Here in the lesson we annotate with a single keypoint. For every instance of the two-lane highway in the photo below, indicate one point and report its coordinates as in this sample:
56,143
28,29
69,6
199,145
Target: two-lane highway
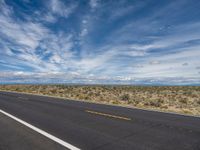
92,126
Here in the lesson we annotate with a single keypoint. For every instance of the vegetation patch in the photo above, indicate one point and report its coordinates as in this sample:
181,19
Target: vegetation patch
181,99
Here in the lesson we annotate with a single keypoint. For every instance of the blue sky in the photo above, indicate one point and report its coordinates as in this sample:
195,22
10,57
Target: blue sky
100,41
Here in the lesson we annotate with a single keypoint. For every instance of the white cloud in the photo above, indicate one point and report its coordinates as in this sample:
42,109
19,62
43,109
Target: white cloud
154,62
84,32
93,3
185,64
84,21
171,66
26,37
60,8
60,77
49,18
5,9
26,34
146,47
56,59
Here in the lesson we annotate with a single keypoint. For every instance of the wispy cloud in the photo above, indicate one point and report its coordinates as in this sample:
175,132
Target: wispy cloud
31,42
93,3
60,8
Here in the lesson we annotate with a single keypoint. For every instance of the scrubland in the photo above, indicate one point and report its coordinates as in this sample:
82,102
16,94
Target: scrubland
180,99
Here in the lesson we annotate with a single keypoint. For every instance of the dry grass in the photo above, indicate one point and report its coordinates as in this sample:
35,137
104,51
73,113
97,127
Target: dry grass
181,99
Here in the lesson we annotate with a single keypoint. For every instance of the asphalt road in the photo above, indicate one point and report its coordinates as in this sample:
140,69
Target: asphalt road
92,126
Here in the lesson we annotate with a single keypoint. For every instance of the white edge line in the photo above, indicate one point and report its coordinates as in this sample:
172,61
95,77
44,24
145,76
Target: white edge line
57,140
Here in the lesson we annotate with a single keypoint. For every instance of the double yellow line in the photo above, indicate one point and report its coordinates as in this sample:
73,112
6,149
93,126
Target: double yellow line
108,115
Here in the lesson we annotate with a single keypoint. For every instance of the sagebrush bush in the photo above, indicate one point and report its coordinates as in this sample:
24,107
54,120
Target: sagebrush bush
125,97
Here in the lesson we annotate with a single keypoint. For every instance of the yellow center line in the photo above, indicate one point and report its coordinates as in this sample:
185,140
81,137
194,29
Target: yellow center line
108,115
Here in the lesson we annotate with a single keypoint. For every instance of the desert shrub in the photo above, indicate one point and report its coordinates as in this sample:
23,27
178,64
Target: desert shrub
183,100
187,111
130,102
155,103
160,100
125,97
53,91
146,103
136,101
164,106
86,97
115,102
198,102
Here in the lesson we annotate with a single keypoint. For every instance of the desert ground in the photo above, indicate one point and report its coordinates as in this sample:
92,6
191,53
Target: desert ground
178,99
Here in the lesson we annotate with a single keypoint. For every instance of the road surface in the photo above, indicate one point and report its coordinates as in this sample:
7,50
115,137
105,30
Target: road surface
91,126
